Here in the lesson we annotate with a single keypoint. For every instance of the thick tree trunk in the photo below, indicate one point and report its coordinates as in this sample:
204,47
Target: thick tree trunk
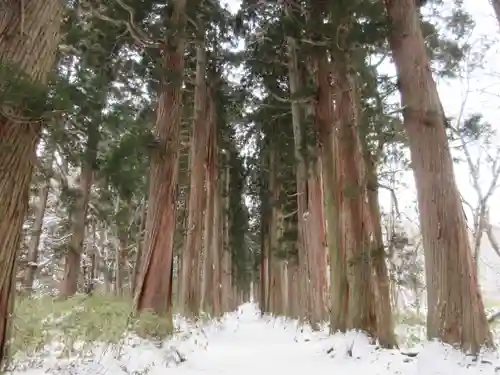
28,42
456,312
316,248
324,118
361,315
153,286
36,233
189,295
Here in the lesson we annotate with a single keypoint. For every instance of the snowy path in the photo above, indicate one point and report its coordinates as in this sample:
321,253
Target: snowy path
250,345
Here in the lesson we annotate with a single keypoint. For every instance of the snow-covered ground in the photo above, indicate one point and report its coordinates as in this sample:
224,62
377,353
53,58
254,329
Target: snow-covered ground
244,343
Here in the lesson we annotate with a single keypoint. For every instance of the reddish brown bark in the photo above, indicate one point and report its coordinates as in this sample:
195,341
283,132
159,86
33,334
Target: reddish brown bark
216,250
325,125
154,284
211,191
190,293
315,244
28,42
456,312
385,326
226,254
361,315
301,177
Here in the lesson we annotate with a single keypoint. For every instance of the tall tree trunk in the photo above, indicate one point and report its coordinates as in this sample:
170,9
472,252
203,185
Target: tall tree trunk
153,285
361,315
226,254
301,174
211,175
36,233
78,215
325,121
274,232
28,42
385,326
456,312
189,297
265,218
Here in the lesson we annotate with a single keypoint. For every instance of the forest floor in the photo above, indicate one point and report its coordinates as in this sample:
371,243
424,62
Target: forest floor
245,343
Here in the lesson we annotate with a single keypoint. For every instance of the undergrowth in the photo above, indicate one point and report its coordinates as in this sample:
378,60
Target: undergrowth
79,323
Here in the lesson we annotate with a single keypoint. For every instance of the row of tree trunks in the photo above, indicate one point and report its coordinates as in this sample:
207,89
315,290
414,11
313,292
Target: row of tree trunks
32,53
352,284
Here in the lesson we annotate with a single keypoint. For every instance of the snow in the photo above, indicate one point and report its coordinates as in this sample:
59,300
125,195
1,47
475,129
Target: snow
245,343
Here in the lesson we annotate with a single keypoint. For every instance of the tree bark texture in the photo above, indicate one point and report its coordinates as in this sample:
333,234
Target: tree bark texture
28,42
189,295
153,286
356,230
211,191
78,216
301,176
456,312
385,326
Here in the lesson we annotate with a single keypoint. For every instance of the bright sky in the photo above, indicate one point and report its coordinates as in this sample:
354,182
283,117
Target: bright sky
483,96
